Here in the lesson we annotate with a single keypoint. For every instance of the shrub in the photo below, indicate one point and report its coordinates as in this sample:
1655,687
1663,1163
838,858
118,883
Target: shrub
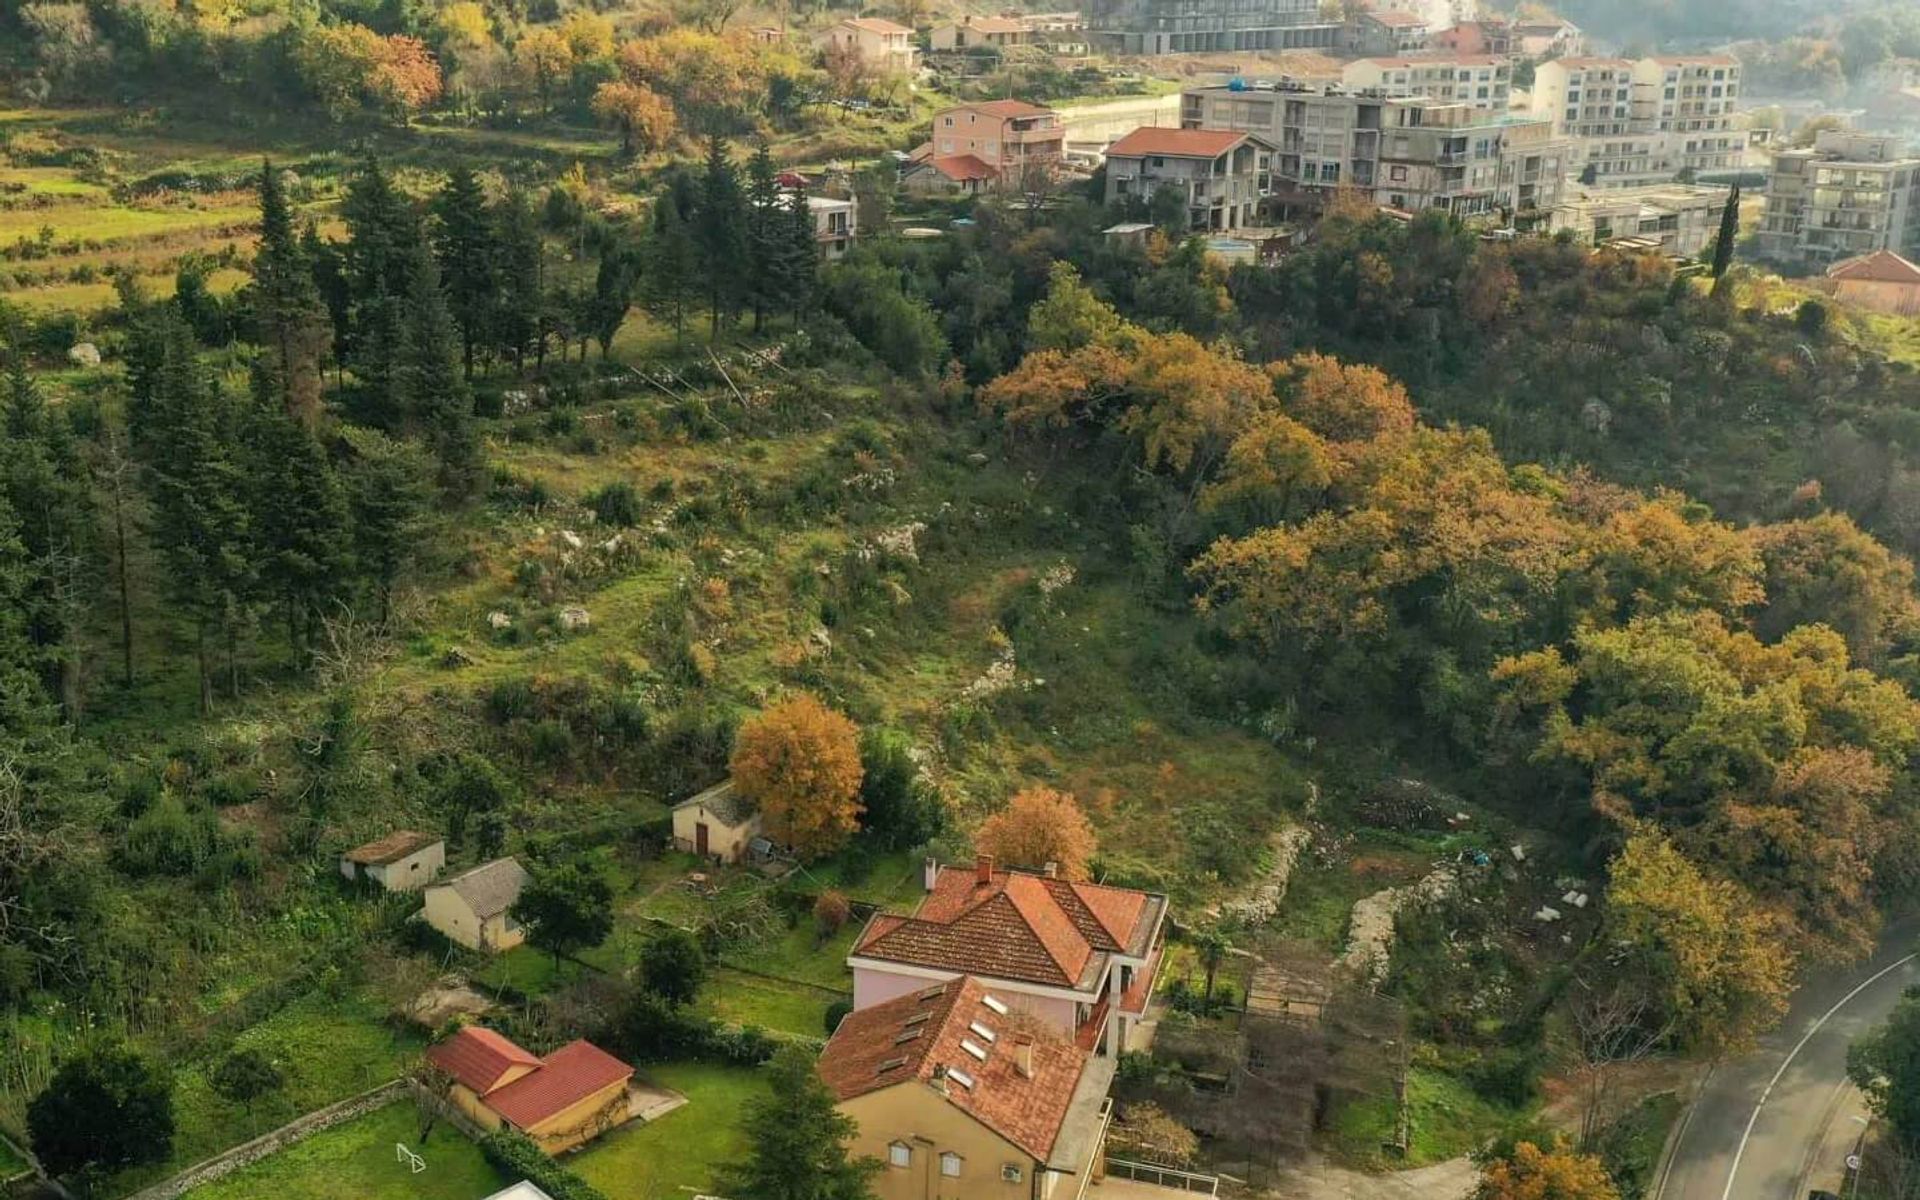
1509,1076
836,1013
616,504
550,741
830,912
516,1156
510,699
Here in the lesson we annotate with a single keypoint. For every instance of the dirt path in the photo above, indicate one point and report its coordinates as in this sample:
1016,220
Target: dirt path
1450,1180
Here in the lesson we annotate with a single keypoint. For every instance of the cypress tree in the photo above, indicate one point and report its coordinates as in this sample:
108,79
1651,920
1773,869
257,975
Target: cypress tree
614,285
464,243
1729,231
299,515
292,322
720,234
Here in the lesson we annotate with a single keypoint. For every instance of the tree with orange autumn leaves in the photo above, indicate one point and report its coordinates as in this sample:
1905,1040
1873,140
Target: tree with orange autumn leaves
1555,1173
800,762
1039,826
1583,637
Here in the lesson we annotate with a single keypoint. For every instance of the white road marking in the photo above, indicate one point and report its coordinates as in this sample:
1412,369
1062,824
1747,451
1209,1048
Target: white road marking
1798,1046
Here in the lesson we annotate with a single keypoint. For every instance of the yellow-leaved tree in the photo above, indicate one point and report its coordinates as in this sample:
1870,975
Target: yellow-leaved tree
1040,826
800,762
1555,1173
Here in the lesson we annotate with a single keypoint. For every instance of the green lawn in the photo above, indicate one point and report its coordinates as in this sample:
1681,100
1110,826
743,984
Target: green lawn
677,1154
91,223
750,1000
1447,1120
357,1161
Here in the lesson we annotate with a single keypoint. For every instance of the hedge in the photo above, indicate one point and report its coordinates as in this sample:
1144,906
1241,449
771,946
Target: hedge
516,1155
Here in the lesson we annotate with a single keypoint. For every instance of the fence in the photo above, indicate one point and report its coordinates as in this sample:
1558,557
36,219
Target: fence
248,1153
1166,1177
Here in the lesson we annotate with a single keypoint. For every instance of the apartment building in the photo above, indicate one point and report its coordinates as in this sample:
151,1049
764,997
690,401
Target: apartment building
1484,81
1387,31
1223,173
1183,26
1846,195
1675,218
1691,99
1408,152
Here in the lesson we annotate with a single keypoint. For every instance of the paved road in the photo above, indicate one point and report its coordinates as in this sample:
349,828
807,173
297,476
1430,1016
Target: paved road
1747,1140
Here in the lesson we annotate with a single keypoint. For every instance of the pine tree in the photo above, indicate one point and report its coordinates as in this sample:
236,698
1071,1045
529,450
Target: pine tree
384,239
516,321
328,263
199,490
387,494
44,484
672,276
797,1140
428,384
766,228
720,233
614,285
464,243
293,323
299,515
800,255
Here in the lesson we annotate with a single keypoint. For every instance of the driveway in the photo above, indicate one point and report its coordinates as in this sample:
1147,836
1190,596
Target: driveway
1451,1180
1764,1122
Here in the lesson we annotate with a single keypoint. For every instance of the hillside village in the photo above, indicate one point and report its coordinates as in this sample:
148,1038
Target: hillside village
627,601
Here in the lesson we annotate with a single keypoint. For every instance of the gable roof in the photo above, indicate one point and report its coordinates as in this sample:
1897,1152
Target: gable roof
1016,926
727,803
1393,17
520,1191
1002,108
1881,266
876,25
567,1076
391,848
988,24
477,1057
917,1039
489,889
958,167
1176,143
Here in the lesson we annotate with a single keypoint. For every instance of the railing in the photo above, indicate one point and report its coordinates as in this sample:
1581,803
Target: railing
1166,1177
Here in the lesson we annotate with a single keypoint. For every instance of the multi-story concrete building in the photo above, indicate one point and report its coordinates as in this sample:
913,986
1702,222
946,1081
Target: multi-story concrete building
1387,31
1640,122
1406,152
1846,195
1013,138
1676,218
1482,80
1180,26
1223,173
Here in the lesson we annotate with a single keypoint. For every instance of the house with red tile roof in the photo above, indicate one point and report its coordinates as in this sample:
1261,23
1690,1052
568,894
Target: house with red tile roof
959,1093
561,1101
1078,957
1882,281
1221,174
1014,140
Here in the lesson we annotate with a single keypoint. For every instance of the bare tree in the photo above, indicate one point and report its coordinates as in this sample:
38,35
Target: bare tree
1614,1023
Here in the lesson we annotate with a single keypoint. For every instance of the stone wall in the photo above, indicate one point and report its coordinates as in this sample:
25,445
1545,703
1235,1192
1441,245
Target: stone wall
248,1153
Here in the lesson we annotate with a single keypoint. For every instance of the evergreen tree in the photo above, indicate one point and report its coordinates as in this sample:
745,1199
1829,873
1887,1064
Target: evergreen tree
672,277
720,232
516,320
105,1108
387,495
614,285
292,322
428,384
329,266
464,243
800,255
44,483
797,1141
299,512
1729,231
199,491
380,252
767,261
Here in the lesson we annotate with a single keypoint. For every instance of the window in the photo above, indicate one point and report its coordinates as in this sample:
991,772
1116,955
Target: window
950,1164
981,1031
900,1154
1009,1172
960,1077
1397,174
994,1003
974,1048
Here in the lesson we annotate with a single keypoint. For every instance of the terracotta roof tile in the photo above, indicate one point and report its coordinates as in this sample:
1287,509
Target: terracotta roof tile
391,848
961,167
1882,266
567,1076
916,1040
1007,108
478,1057
876,25
1177,143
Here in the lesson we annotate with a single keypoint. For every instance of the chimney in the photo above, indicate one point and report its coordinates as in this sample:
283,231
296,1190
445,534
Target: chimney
930,872
1051,870
983,869
1023,1056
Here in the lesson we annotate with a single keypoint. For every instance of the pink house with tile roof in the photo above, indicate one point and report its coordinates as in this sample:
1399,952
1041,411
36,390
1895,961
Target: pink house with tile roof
1079,956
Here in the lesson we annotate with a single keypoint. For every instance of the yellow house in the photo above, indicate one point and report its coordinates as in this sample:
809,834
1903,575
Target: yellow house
561,1101
960,1098
718,823
472,908
875,41
405,860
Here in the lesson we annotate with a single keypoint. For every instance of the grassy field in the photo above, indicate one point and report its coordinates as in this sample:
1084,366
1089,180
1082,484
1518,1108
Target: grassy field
1446,1120
677,1154
357,1161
